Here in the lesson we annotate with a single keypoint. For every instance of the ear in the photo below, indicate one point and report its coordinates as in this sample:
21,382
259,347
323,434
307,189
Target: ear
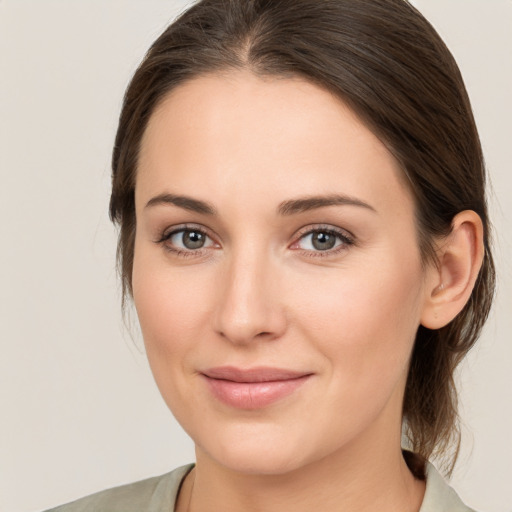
450,283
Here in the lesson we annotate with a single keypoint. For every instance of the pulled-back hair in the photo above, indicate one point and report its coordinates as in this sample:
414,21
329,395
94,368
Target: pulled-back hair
386,62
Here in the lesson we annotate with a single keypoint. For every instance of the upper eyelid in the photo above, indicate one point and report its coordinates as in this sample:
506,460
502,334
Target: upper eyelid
306,230
172,230
300,233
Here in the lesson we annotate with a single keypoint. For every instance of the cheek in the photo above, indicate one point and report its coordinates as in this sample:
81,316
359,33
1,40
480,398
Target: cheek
172,313
365,323
171,308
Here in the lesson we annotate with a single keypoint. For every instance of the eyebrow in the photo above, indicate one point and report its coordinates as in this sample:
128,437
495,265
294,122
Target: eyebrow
304,204
289,207
186,202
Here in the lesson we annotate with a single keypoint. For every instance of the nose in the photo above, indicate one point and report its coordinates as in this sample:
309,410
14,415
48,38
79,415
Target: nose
250,306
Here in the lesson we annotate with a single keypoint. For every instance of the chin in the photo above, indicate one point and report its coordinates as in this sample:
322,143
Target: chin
256,452
258,462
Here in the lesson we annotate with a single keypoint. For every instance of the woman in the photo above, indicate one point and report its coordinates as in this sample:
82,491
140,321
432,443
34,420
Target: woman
300,191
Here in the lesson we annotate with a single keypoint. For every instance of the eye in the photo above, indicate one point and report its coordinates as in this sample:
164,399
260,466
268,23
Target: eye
323,240
186,240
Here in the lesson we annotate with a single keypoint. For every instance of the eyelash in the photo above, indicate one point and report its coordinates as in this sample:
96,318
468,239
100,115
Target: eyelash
346,239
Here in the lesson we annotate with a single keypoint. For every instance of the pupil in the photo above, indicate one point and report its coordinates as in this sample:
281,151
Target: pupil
193,239
323,241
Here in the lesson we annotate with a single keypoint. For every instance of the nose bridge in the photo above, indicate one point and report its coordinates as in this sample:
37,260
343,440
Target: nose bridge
249,305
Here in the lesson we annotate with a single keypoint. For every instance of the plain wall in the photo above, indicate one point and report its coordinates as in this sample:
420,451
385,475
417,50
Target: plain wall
79,409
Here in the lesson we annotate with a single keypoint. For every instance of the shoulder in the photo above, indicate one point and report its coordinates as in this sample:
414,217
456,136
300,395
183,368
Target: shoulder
439,496
153,495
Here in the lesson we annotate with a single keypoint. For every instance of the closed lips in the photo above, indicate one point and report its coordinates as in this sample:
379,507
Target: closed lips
254,388
260,374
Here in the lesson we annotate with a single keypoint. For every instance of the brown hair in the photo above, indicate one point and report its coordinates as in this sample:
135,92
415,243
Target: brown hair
385,61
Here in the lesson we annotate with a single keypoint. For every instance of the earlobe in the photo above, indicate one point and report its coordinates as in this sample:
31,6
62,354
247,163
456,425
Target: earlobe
450,284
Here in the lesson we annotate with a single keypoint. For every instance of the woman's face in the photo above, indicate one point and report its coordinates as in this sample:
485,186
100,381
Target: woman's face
277,275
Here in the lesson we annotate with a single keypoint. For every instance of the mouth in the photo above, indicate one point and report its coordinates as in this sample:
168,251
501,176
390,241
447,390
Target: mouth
253,388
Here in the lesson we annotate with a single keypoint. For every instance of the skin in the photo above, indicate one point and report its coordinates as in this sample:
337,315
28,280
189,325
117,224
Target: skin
260,294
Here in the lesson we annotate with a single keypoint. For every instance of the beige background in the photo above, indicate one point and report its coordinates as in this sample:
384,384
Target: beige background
78,409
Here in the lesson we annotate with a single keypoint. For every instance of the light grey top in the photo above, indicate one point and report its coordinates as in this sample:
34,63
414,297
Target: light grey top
158,494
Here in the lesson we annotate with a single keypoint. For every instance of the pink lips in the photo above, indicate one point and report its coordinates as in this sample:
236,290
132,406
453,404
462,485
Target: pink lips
253,388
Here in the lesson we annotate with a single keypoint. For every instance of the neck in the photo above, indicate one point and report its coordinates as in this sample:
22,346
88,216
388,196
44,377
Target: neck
350,481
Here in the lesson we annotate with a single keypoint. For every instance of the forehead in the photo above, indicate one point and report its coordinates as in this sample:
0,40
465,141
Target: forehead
269,135
269,109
